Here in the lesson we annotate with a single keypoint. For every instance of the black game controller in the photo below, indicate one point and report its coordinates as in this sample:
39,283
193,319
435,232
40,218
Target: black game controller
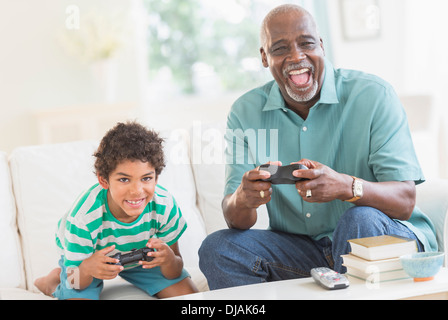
282,174
133,256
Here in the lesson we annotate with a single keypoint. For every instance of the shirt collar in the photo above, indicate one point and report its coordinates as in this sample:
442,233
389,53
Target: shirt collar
328,94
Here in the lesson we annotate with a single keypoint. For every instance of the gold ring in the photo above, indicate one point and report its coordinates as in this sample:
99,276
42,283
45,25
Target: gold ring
308,194
262,194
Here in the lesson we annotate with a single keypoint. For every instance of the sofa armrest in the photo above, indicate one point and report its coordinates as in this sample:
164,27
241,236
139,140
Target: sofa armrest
432,199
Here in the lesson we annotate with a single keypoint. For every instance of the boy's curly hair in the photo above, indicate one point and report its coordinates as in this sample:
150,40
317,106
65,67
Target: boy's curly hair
129,141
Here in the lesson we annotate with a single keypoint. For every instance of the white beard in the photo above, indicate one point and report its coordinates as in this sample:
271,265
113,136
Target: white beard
303,97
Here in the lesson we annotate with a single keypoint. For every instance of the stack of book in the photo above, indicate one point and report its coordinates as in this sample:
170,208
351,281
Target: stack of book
377,259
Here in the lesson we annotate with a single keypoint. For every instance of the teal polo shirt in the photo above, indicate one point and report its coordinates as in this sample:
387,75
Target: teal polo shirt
358,127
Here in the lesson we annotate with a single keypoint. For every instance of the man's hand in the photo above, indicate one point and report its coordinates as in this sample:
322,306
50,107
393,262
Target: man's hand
324,183
253,192
240,207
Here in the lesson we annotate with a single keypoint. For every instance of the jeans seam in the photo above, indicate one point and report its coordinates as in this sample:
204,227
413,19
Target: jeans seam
256,265
288,268
327,251
330,260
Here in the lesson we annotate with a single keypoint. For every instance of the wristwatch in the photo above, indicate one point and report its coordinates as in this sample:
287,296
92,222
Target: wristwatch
357,190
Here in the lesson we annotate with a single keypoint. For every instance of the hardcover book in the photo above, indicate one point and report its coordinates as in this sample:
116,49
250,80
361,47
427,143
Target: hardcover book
382,247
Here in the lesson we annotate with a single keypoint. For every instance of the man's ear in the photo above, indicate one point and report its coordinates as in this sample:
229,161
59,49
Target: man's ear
103,182
264,58
322,46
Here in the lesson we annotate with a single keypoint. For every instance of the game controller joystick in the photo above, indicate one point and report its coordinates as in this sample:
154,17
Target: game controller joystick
282,174
133,256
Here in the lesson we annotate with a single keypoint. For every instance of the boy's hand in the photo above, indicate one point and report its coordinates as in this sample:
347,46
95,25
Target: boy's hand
97,265
163,255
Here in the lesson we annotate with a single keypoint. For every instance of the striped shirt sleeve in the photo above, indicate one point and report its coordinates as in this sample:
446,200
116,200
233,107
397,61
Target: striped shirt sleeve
78,242
172,223
74,236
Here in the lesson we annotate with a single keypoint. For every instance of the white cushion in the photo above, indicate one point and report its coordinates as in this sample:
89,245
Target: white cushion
12,274
21,294
120,289
177,178
433,201
208,160
47,179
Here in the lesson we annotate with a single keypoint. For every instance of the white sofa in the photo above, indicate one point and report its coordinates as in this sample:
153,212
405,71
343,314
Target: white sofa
38,184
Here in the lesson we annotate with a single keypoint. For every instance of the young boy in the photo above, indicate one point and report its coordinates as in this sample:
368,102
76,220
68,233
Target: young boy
125,210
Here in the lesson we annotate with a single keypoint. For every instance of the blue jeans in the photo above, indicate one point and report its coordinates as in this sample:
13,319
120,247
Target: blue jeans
233,257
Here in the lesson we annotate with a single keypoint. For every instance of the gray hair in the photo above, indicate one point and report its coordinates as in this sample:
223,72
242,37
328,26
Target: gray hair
274,12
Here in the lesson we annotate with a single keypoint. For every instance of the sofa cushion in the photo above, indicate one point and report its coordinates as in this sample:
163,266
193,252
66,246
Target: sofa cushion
47,179
21,294
12,275
207,158
177,178
207,146
433,201
120,289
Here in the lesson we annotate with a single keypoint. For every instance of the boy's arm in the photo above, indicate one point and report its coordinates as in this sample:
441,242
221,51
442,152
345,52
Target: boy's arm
96,266
174,269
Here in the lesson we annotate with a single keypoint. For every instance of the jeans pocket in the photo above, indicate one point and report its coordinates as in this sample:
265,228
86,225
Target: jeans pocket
278,271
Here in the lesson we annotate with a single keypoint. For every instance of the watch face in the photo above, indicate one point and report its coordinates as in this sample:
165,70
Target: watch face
357,189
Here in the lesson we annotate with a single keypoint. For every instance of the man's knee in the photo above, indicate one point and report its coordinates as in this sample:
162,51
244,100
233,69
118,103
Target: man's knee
366,221
361,216
214,244
210,243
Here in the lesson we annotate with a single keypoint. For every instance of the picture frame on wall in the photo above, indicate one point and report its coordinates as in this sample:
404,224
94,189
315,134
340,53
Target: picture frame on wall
361,19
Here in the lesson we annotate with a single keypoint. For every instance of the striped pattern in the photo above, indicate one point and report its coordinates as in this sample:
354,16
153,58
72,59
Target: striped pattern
89,226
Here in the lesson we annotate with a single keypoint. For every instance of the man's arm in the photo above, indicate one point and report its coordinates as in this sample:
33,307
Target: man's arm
394,198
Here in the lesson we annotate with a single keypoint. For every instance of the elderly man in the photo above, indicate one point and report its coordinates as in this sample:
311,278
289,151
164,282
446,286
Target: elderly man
348,128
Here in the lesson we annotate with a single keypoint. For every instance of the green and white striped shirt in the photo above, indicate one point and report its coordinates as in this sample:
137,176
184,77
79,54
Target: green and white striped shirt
89,225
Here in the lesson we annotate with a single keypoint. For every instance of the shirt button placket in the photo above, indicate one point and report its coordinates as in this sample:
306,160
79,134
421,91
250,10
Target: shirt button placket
302,139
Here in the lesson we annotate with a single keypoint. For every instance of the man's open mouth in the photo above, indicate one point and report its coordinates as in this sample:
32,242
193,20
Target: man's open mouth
300,77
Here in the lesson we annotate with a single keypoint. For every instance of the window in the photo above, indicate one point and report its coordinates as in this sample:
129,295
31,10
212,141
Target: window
206,47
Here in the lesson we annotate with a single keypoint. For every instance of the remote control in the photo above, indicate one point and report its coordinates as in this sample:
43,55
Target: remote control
133,256
282,174
329,279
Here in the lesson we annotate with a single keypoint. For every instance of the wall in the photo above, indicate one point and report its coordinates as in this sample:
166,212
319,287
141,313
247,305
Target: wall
382,55
37,73
410,51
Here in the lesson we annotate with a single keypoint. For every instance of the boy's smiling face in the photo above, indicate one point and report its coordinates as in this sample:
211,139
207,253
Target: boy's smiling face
130,188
